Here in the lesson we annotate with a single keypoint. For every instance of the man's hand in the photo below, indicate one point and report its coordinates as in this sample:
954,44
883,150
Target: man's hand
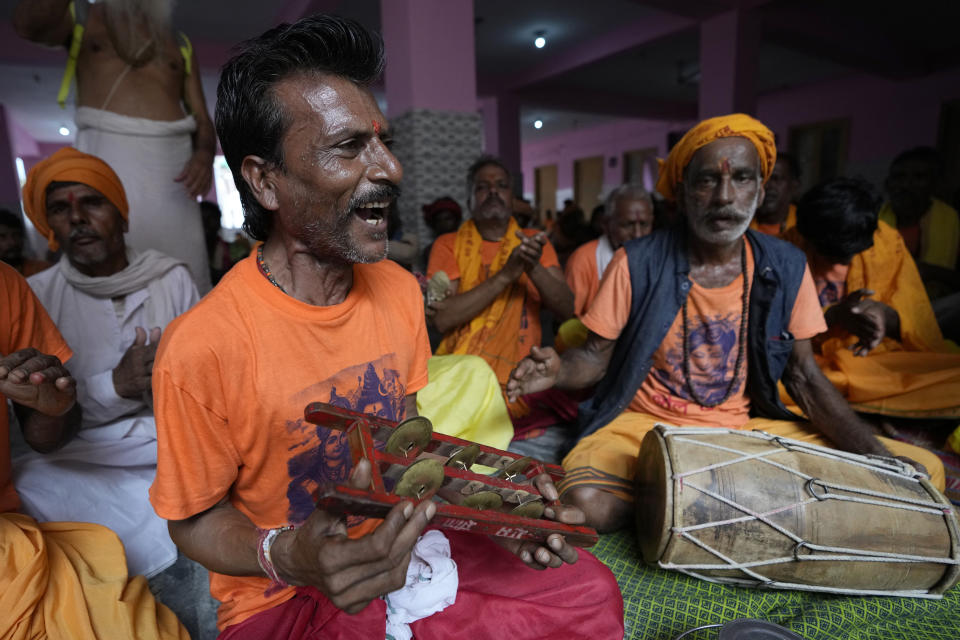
37,381
132,377
869,320
556,552
530,249
351,573
536,372
197,174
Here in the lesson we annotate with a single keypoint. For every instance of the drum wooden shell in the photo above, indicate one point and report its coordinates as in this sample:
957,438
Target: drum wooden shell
670,500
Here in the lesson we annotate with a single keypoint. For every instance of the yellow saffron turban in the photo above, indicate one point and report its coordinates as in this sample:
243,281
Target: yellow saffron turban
735,125
69,165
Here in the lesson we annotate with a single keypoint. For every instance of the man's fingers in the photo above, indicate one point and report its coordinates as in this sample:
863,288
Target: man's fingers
361,476
155,334
64,383
566,552
565,513
545,486
9,363
141,337
49,374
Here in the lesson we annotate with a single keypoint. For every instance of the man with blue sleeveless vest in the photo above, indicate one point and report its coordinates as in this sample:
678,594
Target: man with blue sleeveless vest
696,325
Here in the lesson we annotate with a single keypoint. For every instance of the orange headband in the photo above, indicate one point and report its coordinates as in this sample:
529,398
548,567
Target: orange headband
69,165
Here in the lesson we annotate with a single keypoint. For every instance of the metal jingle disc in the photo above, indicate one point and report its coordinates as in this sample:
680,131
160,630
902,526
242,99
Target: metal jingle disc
464,458
420,478
532,509
410,435
514,468
483,500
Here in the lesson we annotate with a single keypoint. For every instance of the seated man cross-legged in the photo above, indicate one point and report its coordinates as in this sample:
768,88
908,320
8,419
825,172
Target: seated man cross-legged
696,325
884,351
317,314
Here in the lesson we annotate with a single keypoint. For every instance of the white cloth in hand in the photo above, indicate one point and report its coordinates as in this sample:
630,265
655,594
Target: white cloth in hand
431,586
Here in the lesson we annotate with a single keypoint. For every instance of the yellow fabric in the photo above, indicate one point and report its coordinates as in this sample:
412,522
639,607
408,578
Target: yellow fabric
463,400
735,125
939,233
572,334
492,333
789,223
607,458
71,69
916,376
69,165
69,580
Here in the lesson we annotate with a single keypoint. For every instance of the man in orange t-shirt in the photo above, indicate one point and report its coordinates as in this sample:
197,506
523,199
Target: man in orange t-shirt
31,371
60,579
499,276
627,214
669,338
317,314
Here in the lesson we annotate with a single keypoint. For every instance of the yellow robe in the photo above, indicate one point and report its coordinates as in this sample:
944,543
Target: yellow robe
916,376
939,233
69,580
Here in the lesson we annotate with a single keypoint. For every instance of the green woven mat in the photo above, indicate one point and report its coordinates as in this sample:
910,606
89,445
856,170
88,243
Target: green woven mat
660,605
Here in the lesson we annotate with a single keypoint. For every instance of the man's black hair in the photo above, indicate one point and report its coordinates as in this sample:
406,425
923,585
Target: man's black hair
791,162
474,169
927,155
250,119
839,217
10,219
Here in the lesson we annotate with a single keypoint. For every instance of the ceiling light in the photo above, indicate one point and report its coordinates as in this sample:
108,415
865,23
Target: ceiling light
538,124
540,42
64,131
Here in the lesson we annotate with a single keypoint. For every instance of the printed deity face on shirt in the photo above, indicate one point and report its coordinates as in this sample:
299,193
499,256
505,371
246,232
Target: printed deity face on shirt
721,189
339,175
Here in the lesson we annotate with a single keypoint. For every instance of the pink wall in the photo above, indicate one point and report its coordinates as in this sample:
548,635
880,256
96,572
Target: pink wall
610,140
430,53
886,117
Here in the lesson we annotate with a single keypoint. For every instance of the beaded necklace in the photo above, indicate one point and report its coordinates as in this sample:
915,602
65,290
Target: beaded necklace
265,270
743,339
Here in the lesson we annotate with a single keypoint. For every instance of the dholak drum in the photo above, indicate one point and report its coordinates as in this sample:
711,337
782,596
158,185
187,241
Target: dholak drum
753,509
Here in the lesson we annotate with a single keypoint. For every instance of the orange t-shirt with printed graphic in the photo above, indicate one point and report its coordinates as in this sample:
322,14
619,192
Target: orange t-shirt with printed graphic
713,326
23,323
231,381
443,257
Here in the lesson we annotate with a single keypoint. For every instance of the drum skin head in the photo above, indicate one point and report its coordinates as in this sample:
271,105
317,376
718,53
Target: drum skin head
748,629
654,499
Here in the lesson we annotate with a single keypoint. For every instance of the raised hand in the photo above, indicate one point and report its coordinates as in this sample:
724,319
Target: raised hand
351,573
536,372
37,381
133,375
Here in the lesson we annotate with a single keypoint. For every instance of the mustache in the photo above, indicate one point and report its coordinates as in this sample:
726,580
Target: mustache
380,193
83,233
726,212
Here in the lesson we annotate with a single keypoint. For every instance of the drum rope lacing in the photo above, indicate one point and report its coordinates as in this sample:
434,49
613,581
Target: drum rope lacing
838,553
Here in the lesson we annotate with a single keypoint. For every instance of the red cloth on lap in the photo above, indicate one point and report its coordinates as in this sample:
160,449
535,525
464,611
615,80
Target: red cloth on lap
499,597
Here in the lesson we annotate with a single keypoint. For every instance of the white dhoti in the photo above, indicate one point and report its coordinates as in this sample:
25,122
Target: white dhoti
102,476
148,155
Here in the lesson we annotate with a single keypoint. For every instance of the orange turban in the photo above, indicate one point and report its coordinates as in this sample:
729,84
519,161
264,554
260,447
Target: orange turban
69,165
735,125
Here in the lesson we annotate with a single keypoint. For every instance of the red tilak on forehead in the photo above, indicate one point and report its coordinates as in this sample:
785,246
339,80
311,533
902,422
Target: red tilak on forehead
725,165
72,198
376,127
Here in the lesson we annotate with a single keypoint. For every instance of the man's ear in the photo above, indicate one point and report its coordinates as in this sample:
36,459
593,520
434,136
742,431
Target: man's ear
260,176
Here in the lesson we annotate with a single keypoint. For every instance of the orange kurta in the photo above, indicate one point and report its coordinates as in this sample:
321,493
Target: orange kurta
916,376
